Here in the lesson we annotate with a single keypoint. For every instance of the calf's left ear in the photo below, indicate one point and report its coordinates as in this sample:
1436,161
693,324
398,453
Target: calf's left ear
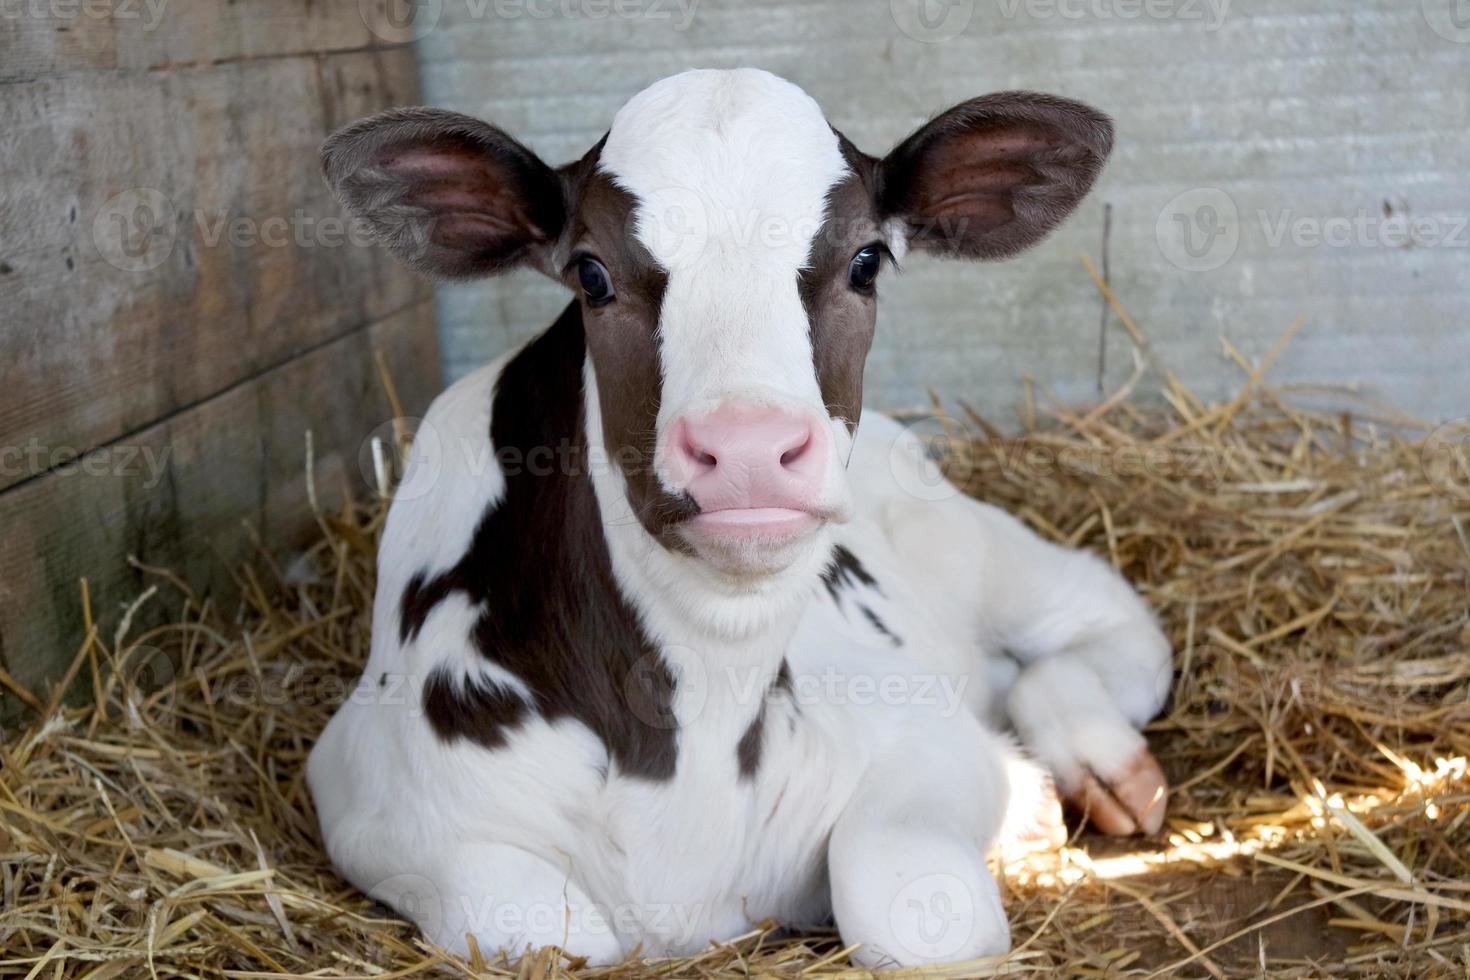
993,175
447,194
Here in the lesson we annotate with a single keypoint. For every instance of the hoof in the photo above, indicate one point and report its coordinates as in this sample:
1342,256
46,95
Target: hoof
1131,802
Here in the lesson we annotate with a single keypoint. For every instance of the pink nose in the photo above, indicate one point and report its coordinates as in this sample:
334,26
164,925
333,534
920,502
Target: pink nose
743,457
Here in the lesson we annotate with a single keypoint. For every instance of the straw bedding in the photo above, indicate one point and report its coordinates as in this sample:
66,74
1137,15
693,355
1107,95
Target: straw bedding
1312,569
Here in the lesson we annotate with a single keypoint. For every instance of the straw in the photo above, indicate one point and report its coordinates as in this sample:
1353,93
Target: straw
1310,567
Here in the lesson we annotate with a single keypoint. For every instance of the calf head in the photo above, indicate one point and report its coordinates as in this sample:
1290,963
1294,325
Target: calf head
725,243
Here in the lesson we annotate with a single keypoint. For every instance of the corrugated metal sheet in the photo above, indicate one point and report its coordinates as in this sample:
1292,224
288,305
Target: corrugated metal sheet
1243,127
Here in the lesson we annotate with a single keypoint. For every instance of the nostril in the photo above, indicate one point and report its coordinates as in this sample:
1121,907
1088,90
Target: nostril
790,457
689,448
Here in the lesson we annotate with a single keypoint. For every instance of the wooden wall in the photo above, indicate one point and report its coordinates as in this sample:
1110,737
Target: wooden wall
175,312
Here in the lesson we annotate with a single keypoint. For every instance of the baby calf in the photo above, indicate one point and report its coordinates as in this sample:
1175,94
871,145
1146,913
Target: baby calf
670,637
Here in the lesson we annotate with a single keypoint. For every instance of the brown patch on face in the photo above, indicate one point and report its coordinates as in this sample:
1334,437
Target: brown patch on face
842,318
623,342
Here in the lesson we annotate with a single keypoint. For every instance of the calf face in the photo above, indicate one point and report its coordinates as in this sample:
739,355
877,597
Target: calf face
725,244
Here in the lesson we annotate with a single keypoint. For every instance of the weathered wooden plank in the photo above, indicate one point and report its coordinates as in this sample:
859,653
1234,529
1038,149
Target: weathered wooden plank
224,256
42,37
179,494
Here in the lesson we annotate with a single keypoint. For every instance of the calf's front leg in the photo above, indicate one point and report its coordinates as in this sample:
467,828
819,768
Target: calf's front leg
506,898
907,854
1094,665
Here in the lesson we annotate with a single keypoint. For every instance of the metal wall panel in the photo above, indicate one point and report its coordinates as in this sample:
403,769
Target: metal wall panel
1268,154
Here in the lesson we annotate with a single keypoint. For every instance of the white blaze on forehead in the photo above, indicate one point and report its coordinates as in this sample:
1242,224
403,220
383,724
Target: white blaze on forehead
730,171
727,165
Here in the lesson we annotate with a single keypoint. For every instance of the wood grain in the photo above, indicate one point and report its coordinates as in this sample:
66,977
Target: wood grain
190,492
180,296
249,262
44,38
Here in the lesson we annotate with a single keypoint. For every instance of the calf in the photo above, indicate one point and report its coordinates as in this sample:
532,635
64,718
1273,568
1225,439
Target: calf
685,649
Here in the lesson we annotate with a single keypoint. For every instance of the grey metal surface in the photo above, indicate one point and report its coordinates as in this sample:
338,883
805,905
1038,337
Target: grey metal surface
1268,153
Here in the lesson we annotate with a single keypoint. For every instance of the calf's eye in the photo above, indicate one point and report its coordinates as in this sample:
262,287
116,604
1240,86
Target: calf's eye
596,283
863,268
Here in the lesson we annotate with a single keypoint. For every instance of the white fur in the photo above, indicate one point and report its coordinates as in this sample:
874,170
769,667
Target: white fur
901,792
883,778
731,171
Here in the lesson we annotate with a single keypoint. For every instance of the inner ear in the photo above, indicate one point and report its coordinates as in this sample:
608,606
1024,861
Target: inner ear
447,194
992,176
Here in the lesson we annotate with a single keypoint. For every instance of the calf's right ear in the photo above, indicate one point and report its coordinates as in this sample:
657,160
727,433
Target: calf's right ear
447,194
993,175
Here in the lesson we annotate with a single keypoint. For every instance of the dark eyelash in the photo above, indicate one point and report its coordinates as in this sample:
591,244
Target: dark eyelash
575,261
885,251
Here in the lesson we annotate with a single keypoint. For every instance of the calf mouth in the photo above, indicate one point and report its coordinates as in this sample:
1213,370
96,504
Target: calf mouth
760,522
750,542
